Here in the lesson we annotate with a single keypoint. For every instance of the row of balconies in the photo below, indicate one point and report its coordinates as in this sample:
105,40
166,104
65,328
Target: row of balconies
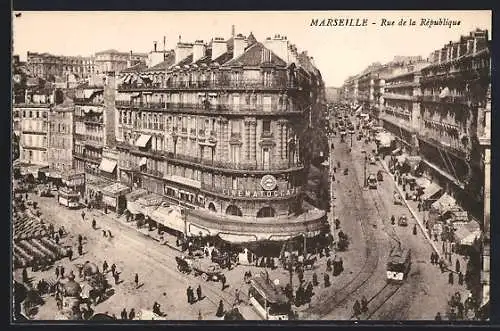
88,102
260,84
230,108
401,84
87,157
449,99
400,96
197,161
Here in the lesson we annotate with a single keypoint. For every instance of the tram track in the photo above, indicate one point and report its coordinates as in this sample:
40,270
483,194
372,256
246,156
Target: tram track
353,202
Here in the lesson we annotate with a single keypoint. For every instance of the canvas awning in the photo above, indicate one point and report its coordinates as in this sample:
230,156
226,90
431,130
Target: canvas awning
143,140
134,208
184,180
169,217
444,203
116,189
430,191
143,161
466,234
237,238
107,165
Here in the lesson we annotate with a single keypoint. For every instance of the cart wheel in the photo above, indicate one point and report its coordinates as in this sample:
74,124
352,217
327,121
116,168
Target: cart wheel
204,276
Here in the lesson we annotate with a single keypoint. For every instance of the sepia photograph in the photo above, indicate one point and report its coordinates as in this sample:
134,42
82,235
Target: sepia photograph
259,165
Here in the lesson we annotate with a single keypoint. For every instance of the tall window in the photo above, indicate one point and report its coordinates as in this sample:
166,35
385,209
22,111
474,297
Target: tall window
266,126
235,154
234,183
266,158
267,103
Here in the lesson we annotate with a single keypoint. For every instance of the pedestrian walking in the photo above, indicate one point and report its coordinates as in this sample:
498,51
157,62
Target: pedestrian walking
136,280
94,223
80,239
105,266
62,272
124,314
356,309
223,281
364,305
438,317
237,296
450,278
70,253
113,269
200,317
116,277
457,266
327,280
433,259
415,229
131,314
109,234
315,279
188,294
328,265
199,293
220,309
83,215
460,278
80,250
393,220
104,233
419,206
56,238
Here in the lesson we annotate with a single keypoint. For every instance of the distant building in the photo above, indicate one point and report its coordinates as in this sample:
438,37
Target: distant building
33,126
112,60
49,66
60,137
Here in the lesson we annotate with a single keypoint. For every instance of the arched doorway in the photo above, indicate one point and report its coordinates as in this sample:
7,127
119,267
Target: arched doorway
211,207
234,210
266,212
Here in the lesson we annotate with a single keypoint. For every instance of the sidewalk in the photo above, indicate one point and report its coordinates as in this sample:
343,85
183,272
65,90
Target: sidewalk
167,240
412,206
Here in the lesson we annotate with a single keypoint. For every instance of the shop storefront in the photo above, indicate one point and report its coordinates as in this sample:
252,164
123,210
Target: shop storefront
93,191
113,197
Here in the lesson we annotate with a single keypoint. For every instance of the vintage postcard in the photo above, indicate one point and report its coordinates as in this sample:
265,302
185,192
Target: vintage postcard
322,165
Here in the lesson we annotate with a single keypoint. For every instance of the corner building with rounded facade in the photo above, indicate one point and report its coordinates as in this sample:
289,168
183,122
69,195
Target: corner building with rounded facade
215,127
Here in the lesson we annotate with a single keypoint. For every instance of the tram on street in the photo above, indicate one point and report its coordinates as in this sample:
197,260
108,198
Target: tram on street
399,264
268,300
68,197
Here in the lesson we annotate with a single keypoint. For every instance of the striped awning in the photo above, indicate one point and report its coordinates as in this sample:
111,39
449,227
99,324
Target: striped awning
169,217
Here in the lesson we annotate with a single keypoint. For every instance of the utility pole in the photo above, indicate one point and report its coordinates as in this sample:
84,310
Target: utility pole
364,181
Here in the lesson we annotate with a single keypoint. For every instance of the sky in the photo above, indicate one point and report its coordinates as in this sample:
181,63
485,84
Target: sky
338,51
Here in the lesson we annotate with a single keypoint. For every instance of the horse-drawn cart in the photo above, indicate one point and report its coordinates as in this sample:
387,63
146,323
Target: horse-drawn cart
207,269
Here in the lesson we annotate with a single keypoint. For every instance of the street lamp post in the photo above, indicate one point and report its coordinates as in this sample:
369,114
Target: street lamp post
364,172
351,139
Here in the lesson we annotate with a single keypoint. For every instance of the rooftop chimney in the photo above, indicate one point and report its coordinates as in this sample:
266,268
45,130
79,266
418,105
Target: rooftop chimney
232,31
239,45
219,47
182,51
198,50
154,46
279,46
